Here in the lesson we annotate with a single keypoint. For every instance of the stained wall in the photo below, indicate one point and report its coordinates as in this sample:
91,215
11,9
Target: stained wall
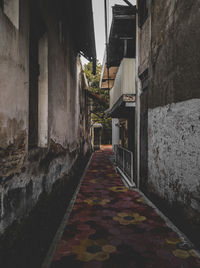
26,172
173,101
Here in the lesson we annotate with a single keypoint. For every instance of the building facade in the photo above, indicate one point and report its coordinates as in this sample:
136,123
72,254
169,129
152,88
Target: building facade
44,117
164,126
168,105
118,76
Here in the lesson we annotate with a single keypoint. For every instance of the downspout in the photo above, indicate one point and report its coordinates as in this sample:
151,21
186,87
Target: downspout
106,38
138,93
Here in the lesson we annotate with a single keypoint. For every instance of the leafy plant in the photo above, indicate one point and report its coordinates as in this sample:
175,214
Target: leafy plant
98,109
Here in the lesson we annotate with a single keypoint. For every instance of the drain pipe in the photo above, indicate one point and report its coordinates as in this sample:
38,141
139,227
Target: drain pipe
138,93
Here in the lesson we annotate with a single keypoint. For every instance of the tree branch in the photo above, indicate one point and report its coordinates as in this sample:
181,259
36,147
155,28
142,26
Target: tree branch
97,97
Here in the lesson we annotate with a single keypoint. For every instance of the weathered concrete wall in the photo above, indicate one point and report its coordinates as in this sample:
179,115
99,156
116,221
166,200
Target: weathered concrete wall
13,91
26,174
175,57
143,55
144,45
173,103
174,159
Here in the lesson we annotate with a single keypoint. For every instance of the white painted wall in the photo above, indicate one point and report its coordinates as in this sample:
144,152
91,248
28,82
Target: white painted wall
115,131
174,152
124,81
11,9
43,93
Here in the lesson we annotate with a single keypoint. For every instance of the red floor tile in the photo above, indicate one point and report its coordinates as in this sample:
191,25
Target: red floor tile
112,227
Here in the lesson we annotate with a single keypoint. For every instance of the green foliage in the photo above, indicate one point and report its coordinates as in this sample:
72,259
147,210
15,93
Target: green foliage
97,108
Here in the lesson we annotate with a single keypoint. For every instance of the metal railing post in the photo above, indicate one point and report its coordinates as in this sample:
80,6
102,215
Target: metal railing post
123,155
123,160
131,167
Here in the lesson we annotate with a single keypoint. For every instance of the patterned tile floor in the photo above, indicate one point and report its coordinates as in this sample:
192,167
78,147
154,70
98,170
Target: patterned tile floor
113,227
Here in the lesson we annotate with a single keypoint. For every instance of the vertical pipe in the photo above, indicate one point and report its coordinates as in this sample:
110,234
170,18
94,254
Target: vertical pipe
131,167
123,160
2,201
137,118
125,47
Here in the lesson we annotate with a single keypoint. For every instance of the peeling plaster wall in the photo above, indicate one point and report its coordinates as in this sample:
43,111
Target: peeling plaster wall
14,88
173,106
13,91
27,174
64,91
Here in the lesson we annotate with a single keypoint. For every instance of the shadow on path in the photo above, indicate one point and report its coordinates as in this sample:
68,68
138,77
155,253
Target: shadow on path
111,226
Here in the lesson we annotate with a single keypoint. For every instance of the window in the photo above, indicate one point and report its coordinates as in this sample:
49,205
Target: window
143,12
11,10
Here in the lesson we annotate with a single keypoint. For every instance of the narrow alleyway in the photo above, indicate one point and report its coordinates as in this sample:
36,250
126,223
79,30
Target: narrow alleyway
111,226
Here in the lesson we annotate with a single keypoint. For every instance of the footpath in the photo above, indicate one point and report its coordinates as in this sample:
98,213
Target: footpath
111,226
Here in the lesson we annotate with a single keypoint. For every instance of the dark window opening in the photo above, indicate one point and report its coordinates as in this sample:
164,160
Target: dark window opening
1,4
143,12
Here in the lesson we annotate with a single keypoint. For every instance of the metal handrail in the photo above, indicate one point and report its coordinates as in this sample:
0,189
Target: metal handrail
124,162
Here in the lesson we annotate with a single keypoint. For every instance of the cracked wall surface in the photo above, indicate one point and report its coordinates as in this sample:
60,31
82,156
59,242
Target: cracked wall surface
173,64
28,173
175,57
174,159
